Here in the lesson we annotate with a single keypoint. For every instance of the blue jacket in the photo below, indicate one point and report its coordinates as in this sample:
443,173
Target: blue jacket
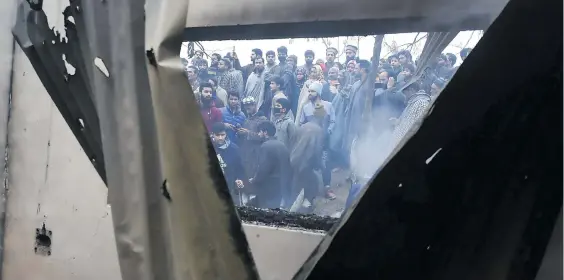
236,120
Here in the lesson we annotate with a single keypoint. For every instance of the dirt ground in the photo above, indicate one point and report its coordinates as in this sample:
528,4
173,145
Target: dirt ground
340,186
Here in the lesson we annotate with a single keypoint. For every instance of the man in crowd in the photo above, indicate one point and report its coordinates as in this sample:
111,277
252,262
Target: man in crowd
315,101
219,92
256,82
417,105
309,56
330,55
210,114
306,161
282,56
350,52
248,69
274,172
249,139
192,73
229,159
271,67
285,126
276,92
213,69
229,78
233,118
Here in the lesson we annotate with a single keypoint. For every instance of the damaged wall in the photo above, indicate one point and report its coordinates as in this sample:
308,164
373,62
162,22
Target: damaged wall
52,182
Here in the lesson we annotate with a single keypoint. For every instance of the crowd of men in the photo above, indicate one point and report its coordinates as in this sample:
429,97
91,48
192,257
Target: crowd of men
281,129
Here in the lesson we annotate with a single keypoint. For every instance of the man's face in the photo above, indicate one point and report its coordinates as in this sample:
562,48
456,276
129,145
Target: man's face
350,67
383,77
350,54
274,87
435,90
233,102
253,56
402,59
312,94
282,56
357,70
291,62
199,55
309,59
220,138
202,66
330,56
394,62
259,65
221,65
270,59
206,93
251,109
278,110
333,73
191,73
214,60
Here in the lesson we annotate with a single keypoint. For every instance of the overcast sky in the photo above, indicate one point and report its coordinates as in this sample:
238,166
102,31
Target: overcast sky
365,44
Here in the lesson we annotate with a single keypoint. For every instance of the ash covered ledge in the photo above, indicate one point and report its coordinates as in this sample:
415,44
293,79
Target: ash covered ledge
279,218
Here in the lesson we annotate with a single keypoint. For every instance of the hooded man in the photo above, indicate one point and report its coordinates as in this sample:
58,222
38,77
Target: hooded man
210,114
274,172
315,101
350,52
229,159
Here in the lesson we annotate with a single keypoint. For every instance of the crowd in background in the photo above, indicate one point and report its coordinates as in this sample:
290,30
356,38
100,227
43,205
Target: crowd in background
281,128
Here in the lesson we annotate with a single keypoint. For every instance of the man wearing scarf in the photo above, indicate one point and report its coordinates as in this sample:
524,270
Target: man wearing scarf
256,82
316,75
350,52
229,159
210,114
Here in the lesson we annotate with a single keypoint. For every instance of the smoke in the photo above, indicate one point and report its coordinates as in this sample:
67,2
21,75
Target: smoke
370,150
